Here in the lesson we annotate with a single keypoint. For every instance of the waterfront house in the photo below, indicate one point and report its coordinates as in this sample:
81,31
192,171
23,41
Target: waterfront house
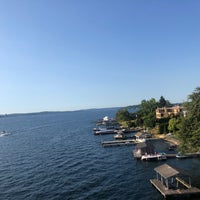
168,111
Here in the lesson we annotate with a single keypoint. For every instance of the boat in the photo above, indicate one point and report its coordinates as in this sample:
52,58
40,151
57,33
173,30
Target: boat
96,129
151,157
106,126
140,137
106,121
3,133
140,140
119,135
181,156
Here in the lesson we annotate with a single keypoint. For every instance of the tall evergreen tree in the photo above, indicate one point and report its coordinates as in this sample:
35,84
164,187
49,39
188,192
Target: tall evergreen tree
162,102
190,127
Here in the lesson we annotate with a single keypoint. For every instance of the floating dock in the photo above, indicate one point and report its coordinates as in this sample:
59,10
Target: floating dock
118,143
170,182
170,192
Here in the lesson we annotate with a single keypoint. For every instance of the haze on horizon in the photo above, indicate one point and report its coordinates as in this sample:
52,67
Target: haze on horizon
72,55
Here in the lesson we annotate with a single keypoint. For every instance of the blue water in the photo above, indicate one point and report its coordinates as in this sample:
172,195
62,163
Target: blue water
56,156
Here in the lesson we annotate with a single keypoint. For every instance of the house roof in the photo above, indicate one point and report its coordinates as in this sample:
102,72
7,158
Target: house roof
166,171
138,134
141,145
146,147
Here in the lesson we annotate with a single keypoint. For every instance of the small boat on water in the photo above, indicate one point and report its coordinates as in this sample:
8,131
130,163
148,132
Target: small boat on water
152,157
3,133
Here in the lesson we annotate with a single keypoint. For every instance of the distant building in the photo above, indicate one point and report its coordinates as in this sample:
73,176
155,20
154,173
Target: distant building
168,111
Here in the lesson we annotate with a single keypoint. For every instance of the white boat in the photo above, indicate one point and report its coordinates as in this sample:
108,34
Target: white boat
3,133
180,156
140,140
96,129
119,135
149,157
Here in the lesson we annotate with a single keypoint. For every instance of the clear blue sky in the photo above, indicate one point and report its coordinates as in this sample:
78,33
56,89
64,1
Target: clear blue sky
78,54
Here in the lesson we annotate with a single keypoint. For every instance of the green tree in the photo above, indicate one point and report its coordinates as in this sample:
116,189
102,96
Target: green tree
163,125
163,103
148,106
138,120
123,115
172,125
189,133
149,120
147,112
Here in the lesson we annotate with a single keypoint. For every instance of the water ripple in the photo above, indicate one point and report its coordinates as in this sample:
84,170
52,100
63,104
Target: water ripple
56,156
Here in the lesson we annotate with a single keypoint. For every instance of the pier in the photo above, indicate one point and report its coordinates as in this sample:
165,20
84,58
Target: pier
170,192
169,182
118,143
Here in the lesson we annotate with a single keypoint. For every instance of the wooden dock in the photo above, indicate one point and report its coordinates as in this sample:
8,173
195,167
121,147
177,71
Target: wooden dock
118,143
171,155
170,192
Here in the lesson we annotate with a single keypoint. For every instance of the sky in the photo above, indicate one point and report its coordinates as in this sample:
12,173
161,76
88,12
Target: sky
60,55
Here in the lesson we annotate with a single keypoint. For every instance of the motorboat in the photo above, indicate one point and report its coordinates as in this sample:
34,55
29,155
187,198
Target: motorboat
3,133
120,135
151,157
181,156
96,129
140,140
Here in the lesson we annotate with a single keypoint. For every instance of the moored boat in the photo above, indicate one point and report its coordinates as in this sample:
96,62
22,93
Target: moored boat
151,157
120,135
106,126
140,140
181,156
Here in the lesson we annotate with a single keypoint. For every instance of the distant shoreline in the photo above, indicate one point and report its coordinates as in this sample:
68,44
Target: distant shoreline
44,112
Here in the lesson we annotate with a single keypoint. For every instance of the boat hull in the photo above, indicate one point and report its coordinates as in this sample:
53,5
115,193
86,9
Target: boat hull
153,157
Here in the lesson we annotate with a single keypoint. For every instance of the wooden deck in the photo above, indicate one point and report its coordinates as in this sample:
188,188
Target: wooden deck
183,182
170,192
118,143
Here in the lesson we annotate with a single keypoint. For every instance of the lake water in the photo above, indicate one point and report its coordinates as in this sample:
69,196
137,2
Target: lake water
57,156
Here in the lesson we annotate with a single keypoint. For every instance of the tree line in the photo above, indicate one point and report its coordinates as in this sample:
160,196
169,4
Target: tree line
145,116
189,126
185,128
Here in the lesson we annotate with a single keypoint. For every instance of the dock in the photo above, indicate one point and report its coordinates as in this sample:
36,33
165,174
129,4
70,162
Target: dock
170,192
171,155
118,143
170,182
